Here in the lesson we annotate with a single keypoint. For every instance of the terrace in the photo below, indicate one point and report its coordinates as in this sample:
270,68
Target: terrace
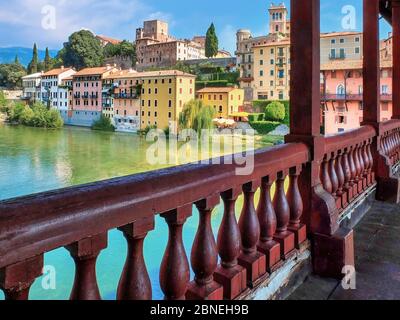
332,183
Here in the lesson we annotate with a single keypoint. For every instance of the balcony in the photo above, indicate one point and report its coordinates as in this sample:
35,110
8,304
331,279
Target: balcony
352,97
341,56
323,185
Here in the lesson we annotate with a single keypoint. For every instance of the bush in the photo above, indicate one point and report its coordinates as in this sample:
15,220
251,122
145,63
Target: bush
264,127
103,124
256,117
36,115
3,102
275,111
213,83
260,106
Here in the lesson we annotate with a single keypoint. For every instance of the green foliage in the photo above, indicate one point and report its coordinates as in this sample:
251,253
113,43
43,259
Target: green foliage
11,74
146,130
264,127
16,60
103,124
36,115
260,106
211,42
33,66
3,101
275,111
219,83
48,61
83,50
256,117
124,49
195,115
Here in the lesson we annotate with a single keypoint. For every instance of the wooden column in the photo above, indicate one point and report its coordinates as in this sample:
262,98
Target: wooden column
204,257
134,283
85,253
396,58
371,70
17,279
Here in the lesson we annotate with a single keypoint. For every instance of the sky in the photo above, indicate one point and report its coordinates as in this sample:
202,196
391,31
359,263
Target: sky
50,22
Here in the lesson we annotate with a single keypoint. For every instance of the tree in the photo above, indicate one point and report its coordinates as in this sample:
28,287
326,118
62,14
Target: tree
82,50
16,60
275,111
33,65
211,42
124,49
195,115
48,61
11,74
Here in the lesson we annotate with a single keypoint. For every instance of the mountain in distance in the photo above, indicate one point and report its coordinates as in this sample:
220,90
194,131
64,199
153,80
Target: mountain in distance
7,55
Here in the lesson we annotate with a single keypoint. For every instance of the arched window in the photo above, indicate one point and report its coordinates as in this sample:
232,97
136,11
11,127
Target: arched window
340,90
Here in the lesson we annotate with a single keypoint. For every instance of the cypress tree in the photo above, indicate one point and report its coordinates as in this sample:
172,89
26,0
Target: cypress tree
47,61
16,60
211,42
33,65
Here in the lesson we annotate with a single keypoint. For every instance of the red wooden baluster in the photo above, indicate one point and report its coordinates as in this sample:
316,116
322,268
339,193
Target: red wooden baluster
358,169
325,177
363,179
267,218
85,253
347,175
366,163
353,170
285,238
174,271
333,177
342,198
252,260
204,257
371,162
135,281
296,207
17,279
231,275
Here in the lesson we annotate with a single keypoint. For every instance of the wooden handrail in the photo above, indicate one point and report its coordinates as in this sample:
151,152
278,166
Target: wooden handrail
39,223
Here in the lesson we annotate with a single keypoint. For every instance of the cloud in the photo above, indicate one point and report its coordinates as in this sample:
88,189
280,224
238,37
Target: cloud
116,18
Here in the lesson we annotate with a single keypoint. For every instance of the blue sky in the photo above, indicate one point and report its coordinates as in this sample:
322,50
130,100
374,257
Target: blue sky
21,21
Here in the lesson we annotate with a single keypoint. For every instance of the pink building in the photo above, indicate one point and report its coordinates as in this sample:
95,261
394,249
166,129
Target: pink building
342,94
87,96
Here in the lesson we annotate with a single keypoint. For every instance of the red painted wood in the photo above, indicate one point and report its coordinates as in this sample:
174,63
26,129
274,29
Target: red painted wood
294,198
281,204
266,212
340,174
85,253
325,176
134,283
174,271
333,177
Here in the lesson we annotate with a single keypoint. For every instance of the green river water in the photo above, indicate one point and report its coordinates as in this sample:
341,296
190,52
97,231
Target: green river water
36,160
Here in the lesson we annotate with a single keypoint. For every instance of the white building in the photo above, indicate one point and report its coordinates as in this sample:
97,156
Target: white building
53,91
31,87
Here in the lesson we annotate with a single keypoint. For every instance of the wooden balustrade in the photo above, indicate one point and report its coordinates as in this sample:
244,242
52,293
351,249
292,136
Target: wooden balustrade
390,142
347,169
247,249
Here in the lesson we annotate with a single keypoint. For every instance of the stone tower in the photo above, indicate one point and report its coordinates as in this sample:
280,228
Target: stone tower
278,19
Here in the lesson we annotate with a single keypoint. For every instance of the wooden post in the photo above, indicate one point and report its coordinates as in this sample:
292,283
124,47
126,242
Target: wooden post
396,58
371,70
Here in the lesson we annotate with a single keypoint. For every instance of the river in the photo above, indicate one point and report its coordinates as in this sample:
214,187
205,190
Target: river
35,160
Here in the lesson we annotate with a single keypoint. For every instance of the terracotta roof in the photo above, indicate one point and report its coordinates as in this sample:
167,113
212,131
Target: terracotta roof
120,74
338,34
165,73
93,71
108,39
351,65
55,72
216,90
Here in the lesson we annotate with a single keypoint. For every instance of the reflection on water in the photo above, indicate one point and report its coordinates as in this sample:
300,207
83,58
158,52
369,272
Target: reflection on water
36,160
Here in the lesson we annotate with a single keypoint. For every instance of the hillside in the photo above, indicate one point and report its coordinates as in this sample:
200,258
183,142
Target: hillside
24,54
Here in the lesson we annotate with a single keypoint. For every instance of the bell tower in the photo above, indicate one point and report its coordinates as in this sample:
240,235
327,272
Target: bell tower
278,19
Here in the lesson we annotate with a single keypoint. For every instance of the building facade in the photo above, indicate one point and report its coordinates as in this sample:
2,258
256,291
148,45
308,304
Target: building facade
163,96
87,102
53,93
341,46
342,94
156,48
31,87
225,101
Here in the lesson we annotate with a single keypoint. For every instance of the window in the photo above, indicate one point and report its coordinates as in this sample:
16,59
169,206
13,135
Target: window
385,89
357,39
272,61
333,41
341,40
357,50
261,62
333,53
272,72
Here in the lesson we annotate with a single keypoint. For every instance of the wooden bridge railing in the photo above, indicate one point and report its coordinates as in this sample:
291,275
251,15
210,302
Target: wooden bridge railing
79,218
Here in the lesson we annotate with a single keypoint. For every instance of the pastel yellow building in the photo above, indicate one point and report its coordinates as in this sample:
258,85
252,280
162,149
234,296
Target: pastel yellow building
164,94
225,100
272,71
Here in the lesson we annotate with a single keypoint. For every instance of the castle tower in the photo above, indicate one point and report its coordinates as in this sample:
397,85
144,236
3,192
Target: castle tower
278,19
